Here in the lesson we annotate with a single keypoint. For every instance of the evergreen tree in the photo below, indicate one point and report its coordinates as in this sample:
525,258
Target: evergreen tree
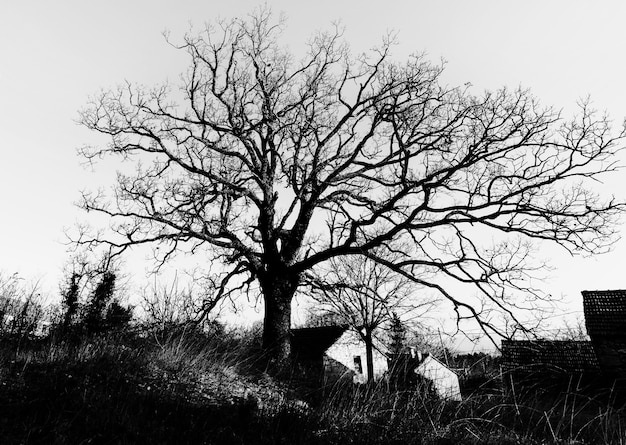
70,299
397,335
102,294
117,316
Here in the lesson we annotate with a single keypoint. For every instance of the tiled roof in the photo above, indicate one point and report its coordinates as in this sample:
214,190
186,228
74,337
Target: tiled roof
605,312
557,355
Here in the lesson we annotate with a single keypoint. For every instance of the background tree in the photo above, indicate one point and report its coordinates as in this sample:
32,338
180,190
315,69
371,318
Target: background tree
91,295
167,306
70,299
77,272
397,335
170,307
273,166
117,317
364,295
98,302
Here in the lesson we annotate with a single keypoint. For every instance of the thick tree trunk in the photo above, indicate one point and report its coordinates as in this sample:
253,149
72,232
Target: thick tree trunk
278,294
276,328
369,353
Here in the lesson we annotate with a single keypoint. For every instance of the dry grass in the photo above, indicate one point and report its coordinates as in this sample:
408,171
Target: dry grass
185,387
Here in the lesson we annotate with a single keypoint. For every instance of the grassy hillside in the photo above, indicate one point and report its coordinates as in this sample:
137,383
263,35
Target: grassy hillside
213,389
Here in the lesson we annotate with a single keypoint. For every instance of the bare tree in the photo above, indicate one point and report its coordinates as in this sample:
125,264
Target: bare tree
569,330
274,166
167,306
365,295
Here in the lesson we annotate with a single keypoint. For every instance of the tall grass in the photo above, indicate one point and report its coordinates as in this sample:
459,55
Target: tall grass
564,412
184,386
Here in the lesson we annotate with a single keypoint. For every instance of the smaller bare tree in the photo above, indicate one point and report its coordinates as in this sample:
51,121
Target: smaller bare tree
365,295
572,330
167,305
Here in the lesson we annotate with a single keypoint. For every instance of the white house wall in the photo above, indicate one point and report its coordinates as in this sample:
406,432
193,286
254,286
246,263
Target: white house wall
349,346
445,381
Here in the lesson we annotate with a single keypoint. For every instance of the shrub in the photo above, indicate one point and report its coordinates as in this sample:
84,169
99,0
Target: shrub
21,308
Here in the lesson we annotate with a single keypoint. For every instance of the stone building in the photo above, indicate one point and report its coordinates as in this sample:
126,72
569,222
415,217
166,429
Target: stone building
605,319
553,356
604,353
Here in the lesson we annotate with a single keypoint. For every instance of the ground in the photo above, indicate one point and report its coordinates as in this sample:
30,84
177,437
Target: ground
215,390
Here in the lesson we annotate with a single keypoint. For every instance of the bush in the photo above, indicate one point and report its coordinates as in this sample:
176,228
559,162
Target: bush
22,312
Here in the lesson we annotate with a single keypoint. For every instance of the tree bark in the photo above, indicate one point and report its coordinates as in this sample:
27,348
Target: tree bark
369,353
278,294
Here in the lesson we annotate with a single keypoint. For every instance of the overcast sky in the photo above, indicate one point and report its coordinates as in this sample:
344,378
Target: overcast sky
54,54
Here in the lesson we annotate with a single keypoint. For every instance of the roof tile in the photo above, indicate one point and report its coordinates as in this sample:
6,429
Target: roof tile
559,355
605,312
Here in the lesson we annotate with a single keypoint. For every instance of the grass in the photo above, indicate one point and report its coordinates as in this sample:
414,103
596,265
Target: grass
180,389
186,388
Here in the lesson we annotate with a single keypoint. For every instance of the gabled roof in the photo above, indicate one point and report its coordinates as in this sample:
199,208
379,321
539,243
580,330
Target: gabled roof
314,341
354,337
405,360
605,312
431,358
557,355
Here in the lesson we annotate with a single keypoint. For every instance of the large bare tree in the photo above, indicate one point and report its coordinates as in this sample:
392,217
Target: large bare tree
274,165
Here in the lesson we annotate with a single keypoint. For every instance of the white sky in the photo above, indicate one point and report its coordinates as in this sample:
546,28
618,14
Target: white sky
53,55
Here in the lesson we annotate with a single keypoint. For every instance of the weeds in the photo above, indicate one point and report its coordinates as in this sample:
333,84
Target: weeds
190,387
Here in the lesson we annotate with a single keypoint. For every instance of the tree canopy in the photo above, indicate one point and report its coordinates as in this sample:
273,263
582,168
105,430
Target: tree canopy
276,164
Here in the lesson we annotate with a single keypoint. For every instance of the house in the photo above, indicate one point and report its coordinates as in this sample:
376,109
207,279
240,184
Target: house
337,353
349,351
549,365
552,356
309,346
445,382
605,319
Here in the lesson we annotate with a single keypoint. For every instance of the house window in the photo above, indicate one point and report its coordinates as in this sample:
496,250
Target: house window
358,367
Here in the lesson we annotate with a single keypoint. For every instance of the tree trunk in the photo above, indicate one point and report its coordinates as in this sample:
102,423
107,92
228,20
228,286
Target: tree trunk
369,353
278,294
